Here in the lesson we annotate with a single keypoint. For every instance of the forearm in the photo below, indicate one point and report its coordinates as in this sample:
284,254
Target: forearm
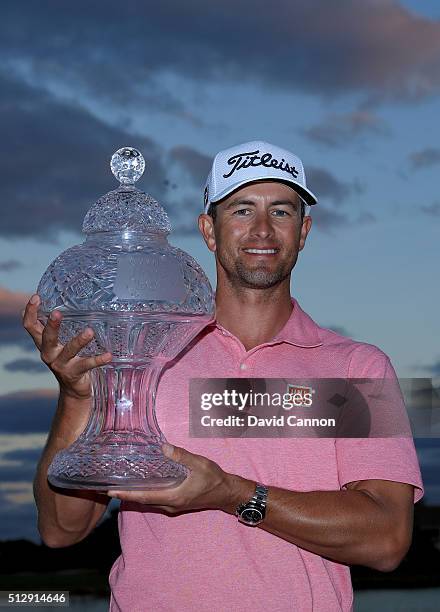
65,516
348,526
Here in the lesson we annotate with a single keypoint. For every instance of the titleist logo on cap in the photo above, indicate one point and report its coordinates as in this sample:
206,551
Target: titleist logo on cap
252,158
252,161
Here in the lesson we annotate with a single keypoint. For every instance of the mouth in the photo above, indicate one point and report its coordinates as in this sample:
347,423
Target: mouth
261,251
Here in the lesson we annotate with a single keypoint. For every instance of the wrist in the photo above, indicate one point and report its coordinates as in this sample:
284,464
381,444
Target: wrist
239,490
70,419
67,394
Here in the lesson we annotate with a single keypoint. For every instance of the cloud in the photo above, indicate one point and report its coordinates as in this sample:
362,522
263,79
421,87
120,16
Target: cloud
430,477
13,471
17,492
196,164
18,520
430,456
58,162
340,130
12,331
19,454
23,454
432,209
63,112
425,158
376,48
365,218
12,442
12,302
186,214
428,453
327,220
325,185
30,366
27,411
433,368
9,265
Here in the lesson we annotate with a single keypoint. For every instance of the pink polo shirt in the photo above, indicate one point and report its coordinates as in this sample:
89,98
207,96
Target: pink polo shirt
206,560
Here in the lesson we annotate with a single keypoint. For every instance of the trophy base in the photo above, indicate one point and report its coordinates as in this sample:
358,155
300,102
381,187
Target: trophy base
104,468
151,483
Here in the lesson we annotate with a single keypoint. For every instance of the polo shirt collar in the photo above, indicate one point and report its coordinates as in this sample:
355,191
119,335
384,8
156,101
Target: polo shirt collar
300,330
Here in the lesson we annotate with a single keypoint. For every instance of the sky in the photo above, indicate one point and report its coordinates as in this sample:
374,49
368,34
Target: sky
351,87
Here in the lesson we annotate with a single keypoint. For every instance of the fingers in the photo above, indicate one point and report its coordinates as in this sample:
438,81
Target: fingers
50,347
30,322
89,363
47,341
162,498
74,346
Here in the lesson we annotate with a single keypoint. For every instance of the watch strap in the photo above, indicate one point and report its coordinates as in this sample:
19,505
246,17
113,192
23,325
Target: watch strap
260,495
258,501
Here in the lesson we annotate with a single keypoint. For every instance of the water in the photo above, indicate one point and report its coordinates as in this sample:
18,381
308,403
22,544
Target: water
395,600
87,604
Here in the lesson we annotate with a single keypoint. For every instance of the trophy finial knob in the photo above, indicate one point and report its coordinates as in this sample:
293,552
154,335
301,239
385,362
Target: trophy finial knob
128,165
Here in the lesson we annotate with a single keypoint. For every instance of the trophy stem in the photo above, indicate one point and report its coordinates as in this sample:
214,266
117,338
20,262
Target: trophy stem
124,397
120,447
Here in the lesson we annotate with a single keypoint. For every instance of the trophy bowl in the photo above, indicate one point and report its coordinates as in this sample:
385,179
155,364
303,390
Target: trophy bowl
146,301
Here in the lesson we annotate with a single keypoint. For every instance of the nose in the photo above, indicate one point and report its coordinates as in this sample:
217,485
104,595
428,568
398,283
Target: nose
262,226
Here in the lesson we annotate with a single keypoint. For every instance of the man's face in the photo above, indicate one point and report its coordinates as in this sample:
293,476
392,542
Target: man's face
257,234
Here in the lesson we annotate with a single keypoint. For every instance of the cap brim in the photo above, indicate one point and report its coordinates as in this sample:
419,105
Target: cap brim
308,197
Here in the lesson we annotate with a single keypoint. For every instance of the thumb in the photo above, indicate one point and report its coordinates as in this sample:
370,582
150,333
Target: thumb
176,453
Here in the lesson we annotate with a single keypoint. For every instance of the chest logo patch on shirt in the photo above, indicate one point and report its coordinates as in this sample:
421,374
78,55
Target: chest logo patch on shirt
301,396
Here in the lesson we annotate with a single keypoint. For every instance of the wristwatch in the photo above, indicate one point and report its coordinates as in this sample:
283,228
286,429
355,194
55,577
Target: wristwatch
252,513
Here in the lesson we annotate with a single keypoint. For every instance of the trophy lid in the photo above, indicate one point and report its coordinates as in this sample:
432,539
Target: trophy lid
126,208
126,264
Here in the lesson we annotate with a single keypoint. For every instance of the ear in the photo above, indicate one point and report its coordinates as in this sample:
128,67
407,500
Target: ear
206,227
305,229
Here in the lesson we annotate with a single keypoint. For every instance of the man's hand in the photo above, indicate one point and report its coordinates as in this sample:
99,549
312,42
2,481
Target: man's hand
206,487
71,371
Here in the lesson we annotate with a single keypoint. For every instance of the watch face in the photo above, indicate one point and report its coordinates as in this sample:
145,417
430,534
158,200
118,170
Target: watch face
251,516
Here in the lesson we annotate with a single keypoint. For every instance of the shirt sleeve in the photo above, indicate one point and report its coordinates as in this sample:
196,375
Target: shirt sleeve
391,458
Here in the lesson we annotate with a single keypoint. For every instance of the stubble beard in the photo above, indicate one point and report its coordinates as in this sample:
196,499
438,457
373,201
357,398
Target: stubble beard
259,277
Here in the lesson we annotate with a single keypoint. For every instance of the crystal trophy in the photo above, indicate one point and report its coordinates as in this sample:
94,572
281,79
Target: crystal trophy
146,301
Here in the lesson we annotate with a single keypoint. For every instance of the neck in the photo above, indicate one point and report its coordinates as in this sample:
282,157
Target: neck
254,316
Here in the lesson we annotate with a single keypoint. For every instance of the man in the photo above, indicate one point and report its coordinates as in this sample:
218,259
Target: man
307,507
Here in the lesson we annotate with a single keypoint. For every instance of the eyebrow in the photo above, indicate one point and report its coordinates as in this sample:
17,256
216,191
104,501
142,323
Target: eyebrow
244,202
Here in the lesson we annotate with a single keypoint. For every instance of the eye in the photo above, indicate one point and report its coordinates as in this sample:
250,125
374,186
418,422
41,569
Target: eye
279,212
242,212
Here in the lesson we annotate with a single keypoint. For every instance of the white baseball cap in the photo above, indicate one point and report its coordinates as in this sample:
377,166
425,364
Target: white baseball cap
255,161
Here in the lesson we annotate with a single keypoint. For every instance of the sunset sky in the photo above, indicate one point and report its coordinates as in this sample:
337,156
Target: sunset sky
352,87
